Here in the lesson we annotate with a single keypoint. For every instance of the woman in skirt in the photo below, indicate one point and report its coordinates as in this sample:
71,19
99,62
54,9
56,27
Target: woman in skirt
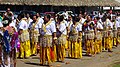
75,36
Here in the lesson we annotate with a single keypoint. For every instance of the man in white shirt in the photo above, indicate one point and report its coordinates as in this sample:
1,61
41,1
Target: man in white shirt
48,32
99,24
24,38
82,20
40,20
29,20
108,39
98,33
34,28
62,34
75,36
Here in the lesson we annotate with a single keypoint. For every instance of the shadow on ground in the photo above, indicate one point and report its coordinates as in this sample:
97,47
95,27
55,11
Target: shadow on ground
37,64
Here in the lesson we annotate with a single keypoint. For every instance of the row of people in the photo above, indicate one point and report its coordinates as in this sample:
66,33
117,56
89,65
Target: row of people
23,35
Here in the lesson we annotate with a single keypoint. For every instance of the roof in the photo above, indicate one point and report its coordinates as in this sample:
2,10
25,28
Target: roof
62,2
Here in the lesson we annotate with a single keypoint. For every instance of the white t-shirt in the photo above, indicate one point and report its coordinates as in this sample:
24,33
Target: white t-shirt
37,26
13,24
69,23
1,25
29,21
82,20
23,25
62,28
99,25
78,28
108,23
40,20
51,28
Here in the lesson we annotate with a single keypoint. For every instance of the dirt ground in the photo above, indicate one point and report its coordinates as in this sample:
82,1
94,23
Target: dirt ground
104,59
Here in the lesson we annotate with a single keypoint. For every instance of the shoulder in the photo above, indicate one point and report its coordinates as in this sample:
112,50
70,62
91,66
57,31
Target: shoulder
52,22
22,21
79,24
31,20
40,18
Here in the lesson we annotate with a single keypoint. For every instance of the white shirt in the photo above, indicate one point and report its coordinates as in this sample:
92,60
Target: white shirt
65,22
82,20
23,25
118,19
1,25
100,15
88,28
100,21
99,25
51,28
37,26
109,23
13,24
40,20
1,32
29,21
78,28
69,23
62,28
117,24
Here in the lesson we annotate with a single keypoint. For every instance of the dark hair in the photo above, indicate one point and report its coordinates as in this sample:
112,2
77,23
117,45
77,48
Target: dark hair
108,17
76,18
61,18
6,24
97,18
22,15
34,15
48,16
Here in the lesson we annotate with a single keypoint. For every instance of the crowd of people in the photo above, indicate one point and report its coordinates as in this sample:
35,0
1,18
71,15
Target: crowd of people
50,37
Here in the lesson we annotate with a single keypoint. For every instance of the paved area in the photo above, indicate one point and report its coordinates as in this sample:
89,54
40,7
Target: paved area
104,59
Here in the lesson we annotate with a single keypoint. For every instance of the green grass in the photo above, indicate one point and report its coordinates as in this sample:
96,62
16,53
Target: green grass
116,65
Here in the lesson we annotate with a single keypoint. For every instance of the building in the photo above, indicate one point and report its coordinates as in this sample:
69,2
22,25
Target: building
57,5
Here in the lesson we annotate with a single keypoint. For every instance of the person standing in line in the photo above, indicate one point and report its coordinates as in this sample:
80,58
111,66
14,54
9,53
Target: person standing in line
24,37
29,20
62,34
34,28
69,23
118,29
39,18
88,28
114,30
48,32
75,36
98,34
41,21
107,40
